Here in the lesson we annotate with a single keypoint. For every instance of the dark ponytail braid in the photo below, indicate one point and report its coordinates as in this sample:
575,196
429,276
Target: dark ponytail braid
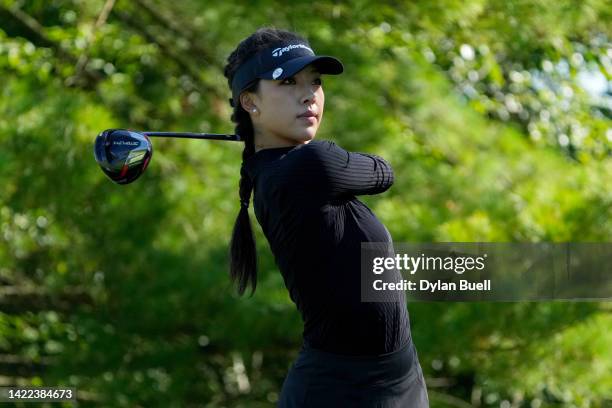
243,256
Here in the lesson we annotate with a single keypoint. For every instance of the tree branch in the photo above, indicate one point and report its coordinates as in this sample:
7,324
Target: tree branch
84,57
35,33
15,299
171,25
165,48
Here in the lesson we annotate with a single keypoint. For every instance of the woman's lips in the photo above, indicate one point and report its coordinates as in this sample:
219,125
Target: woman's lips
309,116
309,119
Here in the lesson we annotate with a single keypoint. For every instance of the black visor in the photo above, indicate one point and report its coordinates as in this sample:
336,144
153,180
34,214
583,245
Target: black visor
279,62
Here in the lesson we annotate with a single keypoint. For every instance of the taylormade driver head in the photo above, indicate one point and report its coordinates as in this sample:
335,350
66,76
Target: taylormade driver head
123,155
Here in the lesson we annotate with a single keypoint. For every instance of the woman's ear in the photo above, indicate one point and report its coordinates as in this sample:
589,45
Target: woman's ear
247,102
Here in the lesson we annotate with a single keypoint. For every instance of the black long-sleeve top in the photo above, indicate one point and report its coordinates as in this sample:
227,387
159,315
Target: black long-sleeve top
305,201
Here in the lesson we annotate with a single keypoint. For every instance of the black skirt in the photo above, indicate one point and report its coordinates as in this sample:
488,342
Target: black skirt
321,379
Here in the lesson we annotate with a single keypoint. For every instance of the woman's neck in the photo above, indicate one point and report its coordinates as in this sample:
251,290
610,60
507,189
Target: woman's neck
265,141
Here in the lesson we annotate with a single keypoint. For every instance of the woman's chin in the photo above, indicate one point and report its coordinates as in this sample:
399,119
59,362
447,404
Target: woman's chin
308,134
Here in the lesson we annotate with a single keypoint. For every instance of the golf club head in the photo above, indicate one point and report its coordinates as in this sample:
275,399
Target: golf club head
123,155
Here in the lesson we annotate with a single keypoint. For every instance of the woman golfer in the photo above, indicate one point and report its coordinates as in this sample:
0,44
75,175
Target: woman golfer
354,354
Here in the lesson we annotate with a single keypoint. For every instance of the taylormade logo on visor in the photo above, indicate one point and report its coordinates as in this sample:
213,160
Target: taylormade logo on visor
277,52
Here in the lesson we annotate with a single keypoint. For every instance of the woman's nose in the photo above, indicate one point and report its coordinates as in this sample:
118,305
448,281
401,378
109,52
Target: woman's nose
309,97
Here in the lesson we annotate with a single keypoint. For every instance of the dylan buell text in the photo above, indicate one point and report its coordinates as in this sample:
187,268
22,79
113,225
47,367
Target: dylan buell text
433,286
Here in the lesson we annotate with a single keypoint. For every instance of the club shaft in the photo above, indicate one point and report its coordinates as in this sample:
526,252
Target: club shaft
188,135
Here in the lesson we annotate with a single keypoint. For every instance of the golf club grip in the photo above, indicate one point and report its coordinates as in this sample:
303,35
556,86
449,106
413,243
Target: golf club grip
188,135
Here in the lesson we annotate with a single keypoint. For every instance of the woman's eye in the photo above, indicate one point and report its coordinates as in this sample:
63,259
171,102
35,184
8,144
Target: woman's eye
319,81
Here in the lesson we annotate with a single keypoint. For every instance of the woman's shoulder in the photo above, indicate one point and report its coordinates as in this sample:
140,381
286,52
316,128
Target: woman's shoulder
316,144
283,164
315,149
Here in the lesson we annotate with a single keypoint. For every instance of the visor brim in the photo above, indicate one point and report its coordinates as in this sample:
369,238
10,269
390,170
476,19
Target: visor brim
325,64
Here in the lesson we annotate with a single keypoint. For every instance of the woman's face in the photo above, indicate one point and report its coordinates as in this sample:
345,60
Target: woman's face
280,102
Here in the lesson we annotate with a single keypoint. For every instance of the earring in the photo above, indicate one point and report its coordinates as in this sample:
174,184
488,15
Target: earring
254,109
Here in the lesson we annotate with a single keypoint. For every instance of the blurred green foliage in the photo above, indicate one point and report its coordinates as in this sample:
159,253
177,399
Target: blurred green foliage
496,119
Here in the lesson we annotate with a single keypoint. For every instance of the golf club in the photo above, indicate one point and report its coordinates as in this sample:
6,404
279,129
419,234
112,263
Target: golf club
123,154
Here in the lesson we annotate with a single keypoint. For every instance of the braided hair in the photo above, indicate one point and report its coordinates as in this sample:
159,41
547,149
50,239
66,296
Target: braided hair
243,258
